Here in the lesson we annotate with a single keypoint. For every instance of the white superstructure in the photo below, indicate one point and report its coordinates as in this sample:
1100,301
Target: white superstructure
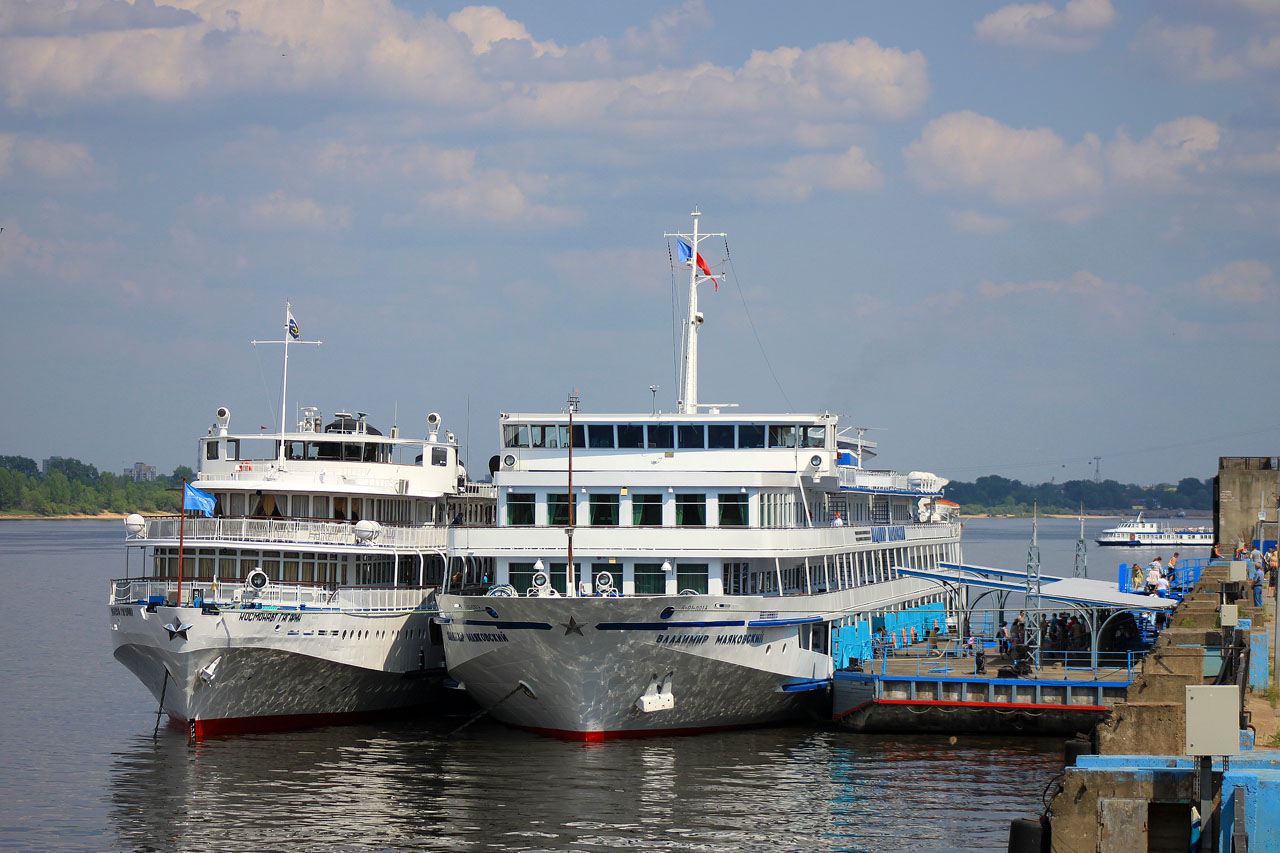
1145,534
714,554
308,597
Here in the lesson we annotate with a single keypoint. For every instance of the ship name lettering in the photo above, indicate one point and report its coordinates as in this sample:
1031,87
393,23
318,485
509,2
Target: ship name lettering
477,637
682,639
122,611
739,639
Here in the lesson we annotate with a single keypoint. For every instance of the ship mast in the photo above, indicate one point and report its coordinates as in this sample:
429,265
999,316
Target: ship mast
291,335
688,402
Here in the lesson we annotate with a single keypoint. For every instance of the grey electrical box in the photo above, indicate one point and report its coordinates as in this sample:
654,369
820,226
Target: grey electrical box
1238,571
1213,720
1230,614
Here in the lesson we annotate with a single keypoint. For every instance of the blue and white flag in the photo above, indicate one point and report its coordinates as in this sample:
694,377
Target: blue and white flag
293,325
200,501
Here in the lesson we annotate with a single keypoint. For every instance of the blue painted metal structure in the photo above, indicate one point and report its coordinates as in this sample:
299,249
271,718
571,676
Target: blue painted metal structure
1257,773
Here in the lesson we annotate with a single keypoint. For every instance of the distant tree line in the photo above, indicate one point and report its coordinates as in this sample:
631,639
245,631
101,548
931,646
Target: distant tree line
72,487
1000,494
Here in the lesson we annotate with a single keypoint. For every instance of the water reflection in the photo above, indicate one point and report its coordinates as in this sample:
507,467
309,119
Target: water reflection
408,787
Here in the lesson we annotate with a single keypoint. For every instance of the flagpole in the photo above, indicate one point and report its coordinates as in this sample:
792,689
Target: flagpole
284,381
182,530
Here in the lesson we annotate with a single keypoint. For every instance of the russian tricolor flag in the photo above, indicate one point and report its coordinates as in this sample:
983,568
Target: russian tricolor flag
686,251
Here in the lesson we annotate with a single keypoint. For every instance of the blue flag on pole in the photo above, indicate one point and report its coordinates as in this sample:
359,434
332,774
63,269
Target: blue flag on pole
193,498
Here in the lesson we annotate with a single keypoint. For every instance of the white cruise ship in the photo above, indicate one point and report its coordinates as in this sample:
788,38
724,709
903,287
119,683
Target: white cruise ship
1147,534
307,598
714,553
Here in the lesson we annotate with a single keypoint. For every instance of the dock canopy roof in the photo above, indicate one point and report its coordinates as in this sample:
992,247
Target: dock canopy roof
1079,591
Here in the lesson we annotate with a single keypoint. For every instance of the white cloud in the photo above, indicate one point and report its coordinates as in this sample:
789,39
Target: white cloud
799,177
44,157
967,152
1188,51
279,211
1241,282
1161,157
974,222
484,25
46,17
1041,26
228,46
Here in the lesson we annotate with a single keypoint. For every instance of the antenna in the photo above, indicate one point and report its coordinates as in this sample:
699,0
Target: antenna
653,389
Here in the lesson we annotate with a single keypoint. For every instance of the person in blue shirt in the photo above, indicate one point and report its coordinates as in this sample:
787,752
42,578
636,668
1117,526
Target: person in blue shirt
1257,579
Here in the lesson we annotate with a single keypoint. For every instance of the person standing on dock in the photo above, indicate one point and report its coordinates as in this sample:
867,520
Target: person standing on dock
1173,565
1257,579
1137,578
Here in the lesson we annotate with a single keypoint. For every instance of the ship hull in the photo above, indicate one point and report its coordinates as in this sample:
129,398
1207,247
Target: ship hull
275,670
577,667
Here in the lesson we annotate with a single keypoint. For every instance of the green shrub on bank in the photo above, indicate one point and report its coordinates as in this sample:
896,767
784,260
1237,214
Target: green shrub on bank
73,487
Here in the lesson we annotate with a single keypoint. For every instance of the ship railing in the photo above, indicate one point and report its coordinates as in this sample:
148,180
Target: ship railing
293,531
480,490
1185,575
865,479
233,594
953,659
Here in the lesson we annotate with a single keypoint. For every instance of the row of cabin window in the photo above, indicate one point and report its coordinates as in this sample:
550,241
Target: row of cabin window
320,507
328,451
646,510
663,436
650,579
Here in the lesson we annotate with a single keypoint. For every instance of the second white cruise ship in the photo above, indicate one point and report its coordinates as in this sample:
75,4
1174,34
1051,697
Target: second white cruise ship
659,573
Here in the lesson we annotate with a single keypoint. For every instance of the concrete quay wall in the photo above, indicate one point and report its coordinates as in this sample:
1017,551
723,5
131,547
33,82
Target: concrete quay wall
1136,793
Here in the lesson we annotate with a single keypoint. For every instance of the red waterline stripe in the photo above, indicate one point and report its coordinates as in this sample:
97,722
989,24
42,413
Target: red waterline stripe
275,723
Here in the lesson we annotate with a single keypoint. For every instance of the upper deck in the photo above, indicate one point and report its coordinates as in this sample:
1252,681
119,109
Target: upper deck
761,450
348,456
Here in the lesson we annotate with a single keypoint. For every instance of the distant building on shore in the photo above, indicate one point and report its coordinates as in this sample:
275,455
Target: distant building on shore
141,472
45,463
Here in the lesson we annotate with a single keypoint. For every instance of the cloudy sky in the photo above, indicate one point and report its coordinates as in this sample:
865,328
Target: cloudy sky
1013,237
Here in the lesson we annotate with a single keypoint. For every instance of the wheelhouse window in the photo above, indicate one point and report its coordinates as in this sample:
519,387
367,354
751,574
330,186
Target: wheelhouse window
579,436
604,510
661,437
515,435
558,508
520,510
646,510
630,436
210,450
691,510
733,510
600,436
751,435
650,579
720,436
782,436
692,576
692,436
440,456
814,436
550,435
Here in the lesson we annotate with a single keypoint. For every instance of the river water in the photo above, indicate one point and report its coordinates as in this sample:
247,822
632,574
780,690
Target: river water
79,769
